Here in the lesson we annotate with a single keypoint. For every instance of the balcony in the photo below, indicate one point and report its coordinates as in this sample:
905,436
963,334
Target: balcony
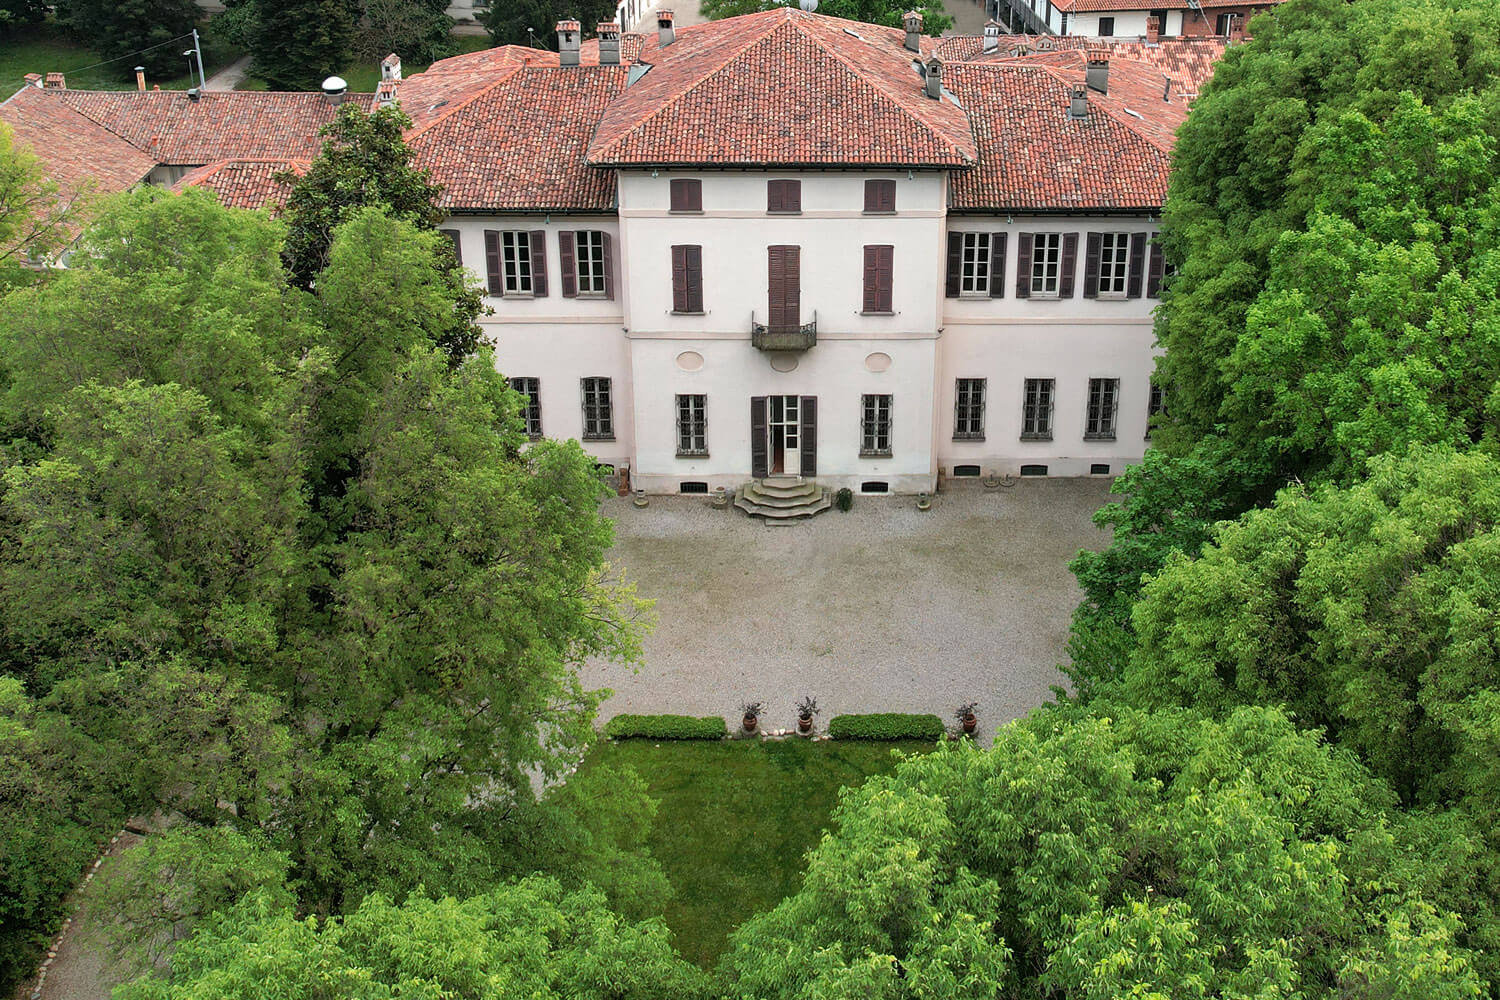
765,337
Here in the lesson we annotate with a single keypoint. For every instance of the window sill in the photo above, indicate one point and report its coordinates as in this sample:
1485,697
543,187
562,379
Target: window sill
1112,297
592,295
877,312
533,437
685,211
1045,296
598,437
975,296
968,437
688,312
874,454
692,454
513,295
1036,437
1098,437
770,211
869,212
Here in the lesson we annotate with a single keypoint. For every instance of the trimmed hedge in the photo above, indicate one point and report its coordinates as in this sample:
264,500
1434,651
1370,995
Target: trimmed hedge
665,727
886,726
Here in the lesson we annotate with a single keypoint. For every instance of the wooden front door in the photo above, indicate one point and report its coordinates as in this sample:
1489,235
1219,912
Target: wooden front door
785,443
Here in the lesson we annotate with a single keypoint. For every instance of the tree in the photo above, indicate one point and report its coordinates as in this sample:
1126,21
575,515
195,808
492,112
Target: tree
153,33
35,213
420,31
299,43
528,939
288,559
934,21
524,22
1123,855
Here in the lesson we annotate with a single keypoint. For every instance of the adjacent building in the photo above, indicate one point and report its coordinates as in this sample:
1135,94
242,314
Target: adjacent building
776,244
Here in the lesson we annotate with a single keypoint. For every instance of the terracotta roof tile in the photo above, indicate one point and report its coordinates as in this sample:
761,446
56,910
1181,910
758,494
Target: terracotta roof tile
171,128
449,84
782,87
78,151
1093,5
631,44
1188,61
244,183
521,145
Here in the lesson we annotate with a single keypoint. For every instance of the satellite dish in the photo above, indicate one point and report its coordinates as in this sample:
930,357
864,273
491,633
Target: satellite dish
808,5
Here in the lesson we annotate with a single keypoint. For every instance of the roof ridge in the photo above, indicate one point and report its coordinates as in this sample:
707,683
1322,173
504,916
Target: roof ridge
662,106
460,104
878,82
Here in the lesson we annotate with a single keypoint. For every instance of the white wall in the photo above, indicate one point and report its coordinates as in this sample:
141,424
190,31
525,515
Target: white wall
1128,23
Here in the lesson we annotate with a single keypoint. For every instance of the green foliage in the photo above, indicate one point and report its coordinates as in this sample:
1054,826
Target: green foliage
934,21
508,23
844,498
299,43
530,939
665,727
1140,856
122,29
886,726
419,31
34,213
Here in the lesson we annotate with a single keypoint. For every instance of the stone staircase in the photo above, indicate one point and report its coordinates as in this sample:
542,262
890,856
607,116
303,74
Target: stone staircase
782,498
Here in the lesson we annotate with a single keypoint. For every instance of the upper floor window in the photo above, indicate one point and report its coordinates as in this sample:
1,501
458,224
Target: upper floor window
687,194
1046,263
692,425
531,406
1114,261
1225,24
880,195
1104,398
1106,27
586,263
878,274
1036,409
516,261
687,279
1156,406
974,279
516,255
784,196
458,246
598,410
968,409
875,426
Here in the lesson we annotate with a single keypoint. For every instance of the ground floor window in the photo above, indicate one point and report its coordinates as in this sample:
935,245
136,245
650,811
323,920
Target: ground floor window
531,409
598,410
692,425
875,426
968,410
1036,410
1104,395
1155,407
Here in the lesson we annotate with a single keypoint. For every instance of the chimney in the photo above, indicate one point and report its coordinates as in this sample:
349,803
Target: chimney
193,94
913,21
1153,30
140,78
665,34
609,43
54,81
34,80
1097,74
390,68
385,95
333,90
1166,90
935,78
992,36
1078,106
567,43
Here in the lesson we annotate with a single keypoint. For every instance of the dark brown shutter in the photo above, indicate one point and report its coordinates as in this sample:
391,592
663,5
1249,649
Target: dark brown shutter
1137,265
791,196
955,264
492,262
679,279
1092,248
997,265
880,196
1069,265
808,417
1023,265
773,196
871,266
609,267
1154,270
878,278
458,249
567,254
760,465
687,195
539,263
694,261
784,295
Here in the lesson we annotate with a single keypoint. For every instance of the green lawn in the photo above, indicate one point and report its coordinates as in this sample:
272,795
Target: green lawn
44,48
736,819
362,75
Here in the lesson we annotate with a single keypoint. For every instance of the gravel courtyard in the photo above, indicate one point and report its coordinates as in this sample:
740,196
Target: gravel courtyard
885,608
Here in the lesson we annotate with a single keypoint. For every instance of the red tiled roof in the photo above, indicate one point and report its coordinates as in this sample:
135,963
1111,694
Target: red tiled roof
1034,156
449,84
1142,5
244,183
782,87
631,44
78,152
521,145
170,127
1188,61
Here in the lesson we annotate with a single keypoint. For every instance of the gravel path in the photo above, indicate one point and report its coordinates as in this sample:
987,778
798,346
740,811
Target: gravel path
885,608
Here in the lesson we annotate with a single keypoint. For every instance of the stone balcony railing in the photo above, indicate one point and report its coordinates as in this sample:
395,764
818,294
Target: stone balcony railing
765,337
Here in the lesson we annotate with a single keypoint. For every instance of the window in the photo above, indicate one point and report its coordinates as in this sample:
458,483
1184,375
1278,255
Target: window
1161,23
1033,470
1036,410
1099,469
875,426
687,279
1046,256
966,472
590,267
515,250
687,195
1225,24
784,297
1104,394
692,486
1155,407
968,410
531,409
458,247
784,196
878,272
692,426
598,410
1106,27
880,196
1114,257
974,279
874,486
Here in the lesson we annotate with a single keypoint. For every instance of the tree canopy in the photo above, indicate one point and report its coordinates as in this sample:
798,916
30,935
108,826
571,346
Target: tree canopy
934,21
151,33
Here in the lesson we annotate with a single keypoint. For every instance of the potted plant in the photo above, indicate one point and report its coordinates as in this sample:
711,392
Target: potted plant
752,710
806,709
966,717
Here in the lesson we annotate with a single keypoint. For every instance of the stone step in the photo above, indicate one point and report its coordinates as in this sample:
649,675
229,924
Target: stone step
784,486
771,500
782,513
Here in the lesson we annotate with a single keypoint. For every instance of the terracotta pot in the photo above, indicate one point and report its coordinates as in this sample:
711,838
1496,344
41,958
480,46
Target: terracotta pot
804,723
969,723
749,723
